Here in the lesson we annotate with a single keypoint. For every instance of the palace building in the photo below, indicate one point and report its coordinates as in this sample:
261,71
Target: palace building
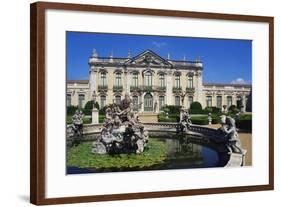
152,82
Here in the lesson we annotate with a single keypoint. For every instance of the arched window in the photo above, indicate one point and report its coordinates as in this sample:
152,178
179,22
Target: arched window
190,101
219,102
177,100
239,102
148,79
81,99
161,102
118,79
68,100
177,81
228,101
135,79
148,102
102,101
162,80
118,99
209,101
103,81
190,81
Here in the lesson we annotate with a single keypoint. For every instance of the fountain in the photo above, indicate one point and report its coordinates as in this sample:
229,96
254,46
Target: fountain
122,131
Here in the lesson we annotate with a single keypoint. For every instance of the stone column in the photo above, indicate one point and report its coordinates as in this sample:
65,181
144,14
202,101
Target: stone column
129,80
169,88
95,116
93,78
126,84
199,89
244,102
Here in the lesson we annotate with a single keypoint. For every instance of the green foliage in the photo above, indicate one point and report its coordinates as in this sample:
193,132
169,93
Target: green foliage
171,109
88,108
86,119
70,110
102,111
81,156
101,118
233,109
244,122
200,120
195,108
172,118
216,119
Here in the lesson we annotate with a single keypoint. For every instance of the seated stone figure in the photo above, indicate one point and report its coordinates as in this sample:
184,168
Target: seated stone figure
229,129
122,132
185,120
77,120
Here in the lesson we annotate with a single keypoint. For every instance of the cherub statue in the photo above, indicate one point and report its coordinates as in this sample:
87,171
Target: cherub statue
228,127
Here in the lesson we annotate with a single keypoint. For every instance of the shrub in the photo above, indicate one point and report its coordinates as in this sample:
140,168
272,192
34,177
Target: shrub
70,110
88,108
171,109
102,111
216,119
233,109
172,118
244,122
201,120
195,108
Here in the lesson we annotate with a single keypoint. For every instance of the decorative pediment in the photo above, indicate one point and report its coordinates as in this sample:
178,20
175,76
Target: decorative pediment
148,58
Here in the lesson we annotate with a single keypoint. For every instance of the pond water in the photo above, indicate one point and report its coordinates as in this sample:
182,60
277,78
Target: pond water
179,155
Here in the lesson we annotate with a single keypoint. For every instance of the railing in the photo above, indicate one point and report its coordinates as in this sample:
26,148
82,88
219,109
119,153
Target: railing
177,89
144,88
190,90
212,134
102,87
117,88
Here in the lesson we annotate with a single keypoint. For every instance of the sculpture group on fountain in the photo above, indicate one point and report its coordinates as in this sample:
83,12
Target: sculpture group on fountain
122,131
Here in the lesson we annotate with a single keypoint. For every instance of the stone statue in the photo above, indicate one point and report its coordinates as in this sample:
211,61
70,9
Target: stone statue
229,129
77,120
185,120
122,131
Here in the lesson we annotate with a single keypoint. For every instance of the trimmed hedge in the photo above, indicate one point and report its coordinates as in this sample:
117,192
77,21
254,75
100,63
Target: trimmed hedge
70,110
171,109
244,122
200,120
195,108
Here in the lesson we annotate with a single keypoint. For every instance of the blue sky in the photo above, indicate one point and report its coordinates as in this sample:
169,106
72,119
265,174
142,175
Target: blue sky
225,61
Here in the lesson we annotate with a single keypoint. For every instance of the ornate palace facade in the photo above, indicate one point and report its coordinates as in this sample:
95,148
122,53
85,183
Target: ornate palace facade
152,82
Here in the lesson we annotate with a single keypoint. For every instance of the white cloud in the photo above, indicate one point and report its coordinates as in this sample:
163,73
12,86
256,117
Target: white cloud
159,44
239,81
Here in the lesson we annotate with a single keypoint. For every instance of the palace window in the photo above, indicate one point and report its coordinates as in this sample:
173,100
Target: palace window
102,101
229,101
103,81
118,81
135,103
161,101
135,79
177,101
118,100
148,79
177,81
68,100
190,81
162,80
219,102
209,101
81,99
190,101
